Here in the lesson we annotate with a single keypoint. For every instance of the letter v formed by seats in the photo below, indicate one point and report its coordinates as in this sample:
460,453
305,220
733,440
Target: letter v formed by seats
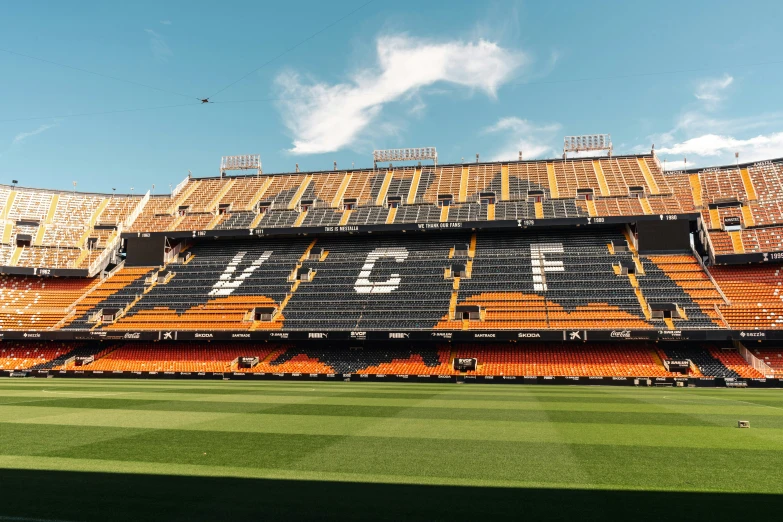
227,284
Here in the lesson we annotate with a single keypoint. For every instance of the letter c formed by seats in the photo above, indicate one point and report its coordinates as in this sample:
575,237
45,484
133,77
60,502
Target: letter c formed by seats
365,286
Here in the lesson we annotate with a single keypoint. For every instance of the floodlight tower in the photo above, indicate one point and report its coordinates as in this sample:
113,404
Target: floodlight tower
413,154
244,162
590,142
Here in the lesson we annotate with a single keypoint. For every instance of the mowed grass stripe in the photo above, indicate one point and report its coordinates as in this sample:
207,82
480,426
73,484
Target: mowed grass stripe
760,417
677,401
451,429
379,390
533,463
672,402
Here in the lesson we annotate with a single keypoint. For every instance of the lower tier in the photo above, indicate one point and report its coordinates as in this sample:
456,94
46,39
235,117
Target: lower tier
589,360
699,382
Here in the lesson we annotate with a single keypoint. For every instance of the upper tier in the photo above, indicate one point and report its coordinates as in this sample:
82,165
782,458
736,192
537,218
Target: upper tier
73,230
70,230
531,190
742,209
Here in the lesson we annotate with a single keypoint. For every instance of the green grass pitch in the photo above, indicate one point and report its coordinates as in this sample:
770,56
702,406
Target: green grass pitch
83,450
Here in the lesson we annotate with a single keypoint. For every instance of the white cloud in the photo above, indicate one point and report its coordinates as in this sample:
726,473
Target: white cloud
516,134
160,49
165,22
711,145
326,118
706,139
710,91
22,136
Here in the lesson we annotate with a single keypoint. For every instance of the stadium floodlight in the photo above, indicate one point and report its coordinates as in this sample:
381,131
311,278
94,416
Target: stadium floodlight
589,142
243,162
414,154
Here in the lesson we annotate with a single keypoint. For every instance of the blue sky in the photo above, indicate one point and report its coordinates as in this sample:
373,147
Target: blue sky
466,77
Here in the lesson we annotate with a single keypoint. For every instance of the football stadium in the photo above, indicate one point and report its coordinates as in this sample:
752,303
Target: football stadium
262,328
378,322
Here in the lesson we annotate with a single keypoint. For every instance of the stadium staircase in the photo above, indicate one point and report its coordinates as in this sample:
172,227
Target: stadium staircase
599,174
18,251
300,218
696,190
298,194
259,193
504,183
648,177
736,242
747,183
553,189
93,219
381,198
539,210
338,197
184,195
747,217
414,186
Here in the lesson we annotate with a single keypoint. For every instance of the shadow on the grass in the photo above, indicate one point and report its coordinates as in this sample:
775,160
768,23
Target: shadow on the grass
78,496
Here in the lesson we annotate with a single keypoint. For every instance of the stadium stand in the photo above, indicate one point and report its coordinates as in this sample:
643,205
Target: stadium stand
27,355
534,359
186,357
773,357
216,290
353,284
60,223
750,193
318,199
755,295
59,229
552,280
732,360
34,303
406,361
592,278
538,281
722,185
704,358
559,280
115,292
565,360
680,279
66,360
157,215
